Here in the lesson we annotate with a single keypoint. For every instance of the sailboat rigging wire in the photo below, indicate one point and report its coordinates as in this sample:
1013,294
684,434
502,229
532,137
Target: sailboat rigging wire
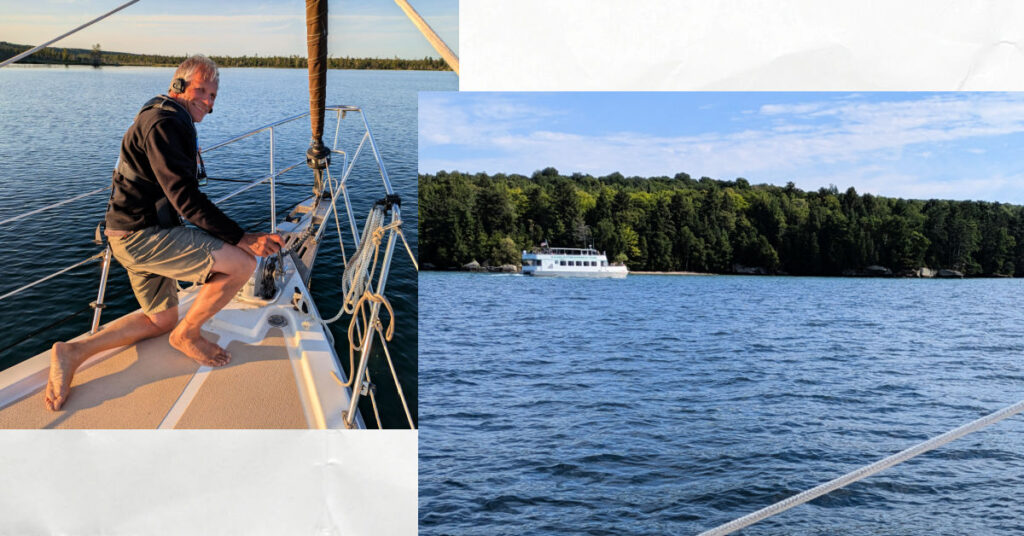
51,276
46,327
449,57
247,181
55,205
391,365
337,223
58,38
373,401
865,471
407,248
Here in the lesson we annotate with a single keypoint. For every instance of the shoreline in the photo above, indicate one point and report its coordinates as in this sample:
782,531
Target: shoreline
166,65
671,273
498,270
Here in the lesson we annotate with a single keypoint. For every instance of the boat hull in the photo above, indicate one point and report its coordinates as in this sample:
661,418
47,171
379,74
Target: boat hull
570,262
603,274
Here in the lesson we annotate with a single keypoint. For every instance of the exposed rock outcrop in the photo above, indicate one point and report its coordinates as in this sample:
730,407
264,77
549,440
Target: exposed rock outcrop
748,270
877,271
503,269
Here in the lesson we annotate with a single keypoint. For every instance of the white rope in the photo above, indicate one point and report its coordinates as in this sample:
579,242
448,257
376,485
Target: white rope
58,38
865,471
356,279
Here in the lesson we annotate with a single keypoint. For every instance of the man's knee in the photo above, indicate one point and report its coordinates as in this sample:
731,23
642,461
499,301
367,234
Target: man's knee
164,321
233,261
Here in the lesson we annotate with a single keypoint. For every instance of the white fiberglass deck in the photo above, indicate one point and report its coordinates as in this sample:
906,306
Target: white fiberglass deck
281,375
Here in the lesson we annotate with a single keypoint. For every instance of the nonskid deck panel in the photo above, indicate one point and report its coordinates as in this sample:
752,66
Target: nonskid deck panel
134,388
256,390
279,377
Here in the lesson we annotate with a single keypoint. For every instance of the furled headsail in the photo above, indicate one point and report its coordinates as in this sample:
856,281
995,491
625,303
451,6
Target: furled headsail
318,156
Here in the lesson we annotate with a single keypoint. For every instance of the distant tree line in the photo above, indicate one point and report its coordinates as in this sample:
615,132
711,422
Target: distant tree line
707,225
96,57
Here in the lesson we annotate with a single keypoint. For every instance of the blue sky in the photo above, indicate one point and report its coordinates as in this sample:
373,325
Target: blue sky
910,145
363,28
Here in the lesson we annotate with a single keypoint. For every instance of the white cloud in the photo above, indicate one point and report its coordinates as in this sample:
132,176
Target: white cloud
849,133
444,119
267,29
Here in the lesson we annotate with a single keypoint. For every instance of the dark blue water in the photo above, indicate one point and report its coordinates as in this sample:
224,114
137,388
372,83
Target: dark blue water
671,405
60,129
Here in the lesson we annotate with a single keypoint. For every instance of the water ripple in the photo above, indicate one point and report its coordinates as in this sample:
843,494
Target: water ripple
709,398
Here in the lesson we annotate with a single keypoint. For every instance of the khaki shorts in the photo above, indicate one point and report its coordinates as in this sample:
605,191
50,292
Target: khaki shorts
155,257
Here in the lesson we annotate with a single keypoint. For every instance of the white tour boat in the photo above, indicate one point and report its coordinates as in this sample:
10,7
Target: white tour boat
570,262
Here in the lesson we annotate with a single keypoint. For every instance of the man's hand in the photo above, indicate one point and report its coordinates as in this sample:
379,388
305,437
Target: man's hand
261,244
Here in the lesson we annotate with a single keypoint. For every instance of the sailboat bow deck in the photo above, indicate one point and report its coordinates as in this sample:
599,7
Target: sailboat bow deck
282,375
284,371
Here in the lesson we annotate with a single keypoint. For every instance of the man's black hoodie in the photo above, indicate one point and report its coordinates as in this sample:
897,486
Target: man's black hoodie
157,176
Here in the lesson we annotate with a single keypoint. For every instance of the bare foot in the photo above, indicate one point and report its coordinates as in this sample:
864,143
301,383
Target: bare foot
198,348
63,363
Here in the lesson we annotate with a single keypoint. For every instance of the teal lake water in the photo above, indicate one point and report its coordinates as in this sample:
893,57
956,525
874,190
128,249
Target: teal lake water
60,129
671,405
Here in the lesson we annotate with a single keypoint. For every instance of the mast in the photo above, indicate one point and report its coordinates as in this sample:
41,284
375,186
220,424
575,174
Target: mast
318,156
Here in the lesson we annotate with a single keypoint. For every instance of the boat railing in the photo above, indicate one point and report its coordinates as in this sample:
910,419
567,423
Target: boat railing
337,188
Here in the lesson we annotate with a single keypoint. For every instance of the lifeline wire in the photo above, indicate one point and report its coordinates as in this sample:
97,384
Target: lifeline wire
865,471
45,328
55,205
51,276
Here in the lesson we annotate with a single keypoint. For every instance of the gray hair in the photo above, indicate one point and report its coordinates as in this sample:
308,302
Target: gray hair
199,67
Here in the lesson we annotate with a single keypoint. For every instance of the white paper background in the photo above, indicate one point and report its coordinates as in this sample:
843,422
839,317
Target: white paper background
364,482
194,482
545,45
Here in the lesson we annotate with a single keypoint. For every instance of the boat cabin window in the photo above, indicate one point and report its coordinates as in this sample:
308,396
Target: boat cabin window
604,263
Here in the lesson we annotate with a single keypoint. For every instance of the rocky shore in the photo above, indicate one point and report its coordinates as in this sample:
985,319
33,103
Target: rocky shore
477,267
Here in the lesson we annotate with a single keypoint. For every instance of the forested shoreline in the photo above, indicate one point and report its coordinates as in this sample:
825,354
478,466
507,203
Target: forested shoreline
98,57
684,224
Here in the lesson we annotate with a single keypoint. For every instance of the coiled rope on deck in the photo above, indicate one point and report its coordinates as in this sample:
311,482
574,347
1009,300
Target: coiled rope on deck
359,272
362,303
865,471
357,337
